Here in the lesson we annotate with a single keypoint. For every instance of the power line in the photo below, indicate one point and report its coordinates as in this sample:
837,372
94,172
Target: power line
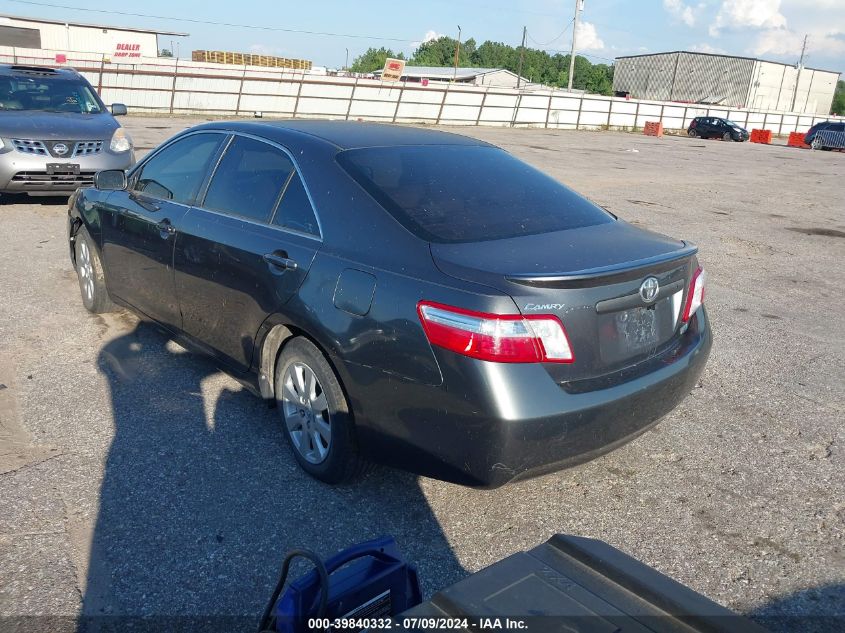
211,22
562,33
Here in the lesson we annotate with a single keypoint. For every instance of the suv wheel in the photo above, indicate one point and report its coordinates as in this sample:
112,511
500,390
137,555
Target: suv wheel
315,414
89,271
727,136
692,133
817,143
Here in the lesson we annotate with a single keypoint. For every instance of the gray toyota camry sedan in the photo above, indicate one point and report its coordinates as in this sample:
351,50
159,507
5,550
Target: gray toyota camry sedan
404,296
55,131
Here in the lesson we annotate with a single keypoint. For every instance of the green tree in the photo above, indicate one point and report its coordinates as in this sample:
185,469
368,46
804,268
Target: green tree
441,52
838,105
373,59
165,52
537,66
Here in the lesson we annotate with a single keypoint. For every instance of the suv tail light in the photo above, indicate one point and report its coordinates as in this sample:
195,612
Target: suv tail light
694,123
695,294
503,338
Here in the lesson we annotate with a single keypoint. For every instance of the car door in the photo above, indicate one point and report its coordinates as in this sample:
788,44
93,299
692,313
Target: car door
140,224
245,249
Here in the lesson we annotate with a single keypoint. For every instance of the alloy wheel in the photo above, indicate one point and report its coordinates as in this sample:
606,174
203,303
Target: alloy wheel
306,412
86,271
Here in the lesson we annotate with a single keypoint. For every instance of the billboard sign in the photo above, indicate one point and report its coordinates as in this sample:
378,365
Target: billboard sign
393,69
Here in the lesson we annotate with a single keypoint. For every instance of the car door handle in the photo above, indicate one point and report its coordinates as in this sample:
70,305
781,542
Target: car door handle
165,229
280,261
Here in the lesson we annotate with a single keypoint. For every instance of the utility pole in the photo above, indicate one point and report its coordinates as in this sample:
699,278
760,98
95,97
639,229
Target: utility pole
346,65
457,54
579,6
521,57
798,76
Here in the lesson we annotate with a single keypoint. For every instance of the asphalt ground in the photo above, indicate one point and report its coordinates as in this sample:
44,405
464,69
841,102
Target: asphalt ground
137,479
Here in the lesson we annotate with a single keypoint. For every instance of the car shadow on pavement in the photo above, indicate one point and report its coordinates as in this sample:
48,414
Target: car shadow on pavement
200,502
815,610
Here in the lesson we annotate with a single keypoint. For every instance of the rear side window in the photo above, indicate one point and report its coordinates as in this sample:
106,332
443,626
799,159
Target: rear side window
177,171
249,179
295,210
446,193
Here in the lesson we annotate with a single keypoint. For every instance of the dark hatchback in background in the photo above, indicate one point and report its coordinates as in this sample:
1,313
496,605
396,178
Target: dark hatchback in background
55,131
826,135
405,296
715,127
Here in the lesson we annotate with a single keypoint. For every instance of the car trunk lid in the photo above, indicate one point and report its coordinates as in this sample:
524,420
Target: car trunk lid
591,278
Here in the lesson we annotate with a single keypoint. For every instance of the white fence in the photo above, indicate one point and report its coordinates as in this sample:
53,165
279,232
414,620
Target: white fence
184,87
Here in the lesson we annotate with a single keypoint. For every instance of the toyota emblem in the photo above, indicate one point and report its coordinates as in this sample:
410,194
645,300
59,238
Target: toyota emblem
649,289
60,148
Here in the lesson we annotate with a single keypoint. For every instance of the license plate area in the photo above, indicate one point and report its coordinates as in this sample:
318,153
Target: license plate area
62,169
637,328
634,332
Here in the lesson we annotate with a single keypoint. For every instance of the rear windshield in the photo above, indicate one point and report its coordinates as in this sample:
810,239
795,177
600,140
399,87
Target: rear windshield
446,193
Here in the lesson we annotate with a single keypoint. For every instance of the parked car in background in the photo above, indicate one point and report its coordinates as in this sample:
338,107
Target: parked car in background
55,131
405,296
715,127
826,135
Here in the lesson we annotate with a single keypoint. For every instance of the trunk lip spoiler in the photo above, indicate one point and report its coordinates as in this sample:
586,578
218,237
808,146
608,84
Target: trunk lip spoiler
687,250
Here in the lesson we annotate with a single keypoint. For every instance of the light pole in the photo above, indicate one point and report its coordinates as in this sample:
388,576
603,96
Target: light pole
346,65
457,54
579,6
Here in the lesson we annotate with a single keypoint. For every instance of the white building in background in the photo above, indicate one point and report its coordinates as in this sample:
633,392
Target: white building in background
117,43
498,77
737,82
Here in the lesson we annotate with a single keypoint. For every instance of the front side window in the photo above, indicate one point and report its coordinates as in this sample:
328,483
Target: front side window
467,193
249,179
47,94
177,172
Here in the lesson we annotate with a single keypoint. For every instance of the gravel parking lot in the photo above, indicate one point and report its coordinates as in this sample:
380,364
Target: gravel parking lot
136,478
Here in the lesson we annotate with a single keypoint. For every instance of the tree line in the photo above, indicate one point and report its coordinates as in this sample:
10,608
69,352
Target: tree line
838,105
537,66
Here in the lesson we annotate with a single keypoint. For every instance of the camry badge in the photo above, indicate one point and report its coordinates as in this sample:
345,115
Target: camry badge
60,148
649,289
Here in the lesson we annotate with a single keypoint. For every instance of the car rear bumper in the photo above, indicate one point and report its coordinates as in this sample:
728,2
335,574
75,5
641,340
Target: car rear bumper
491,423
24,173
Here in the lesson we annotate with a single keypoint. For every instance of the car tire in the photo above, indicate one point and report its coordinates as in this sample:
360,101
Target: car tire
89,272
727,136
316,419
692,133
816,144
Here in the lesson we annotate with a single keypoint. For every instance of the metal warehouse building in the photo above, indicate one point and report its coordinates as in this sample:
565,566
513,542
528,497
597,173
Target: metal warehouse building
742,82
497,77
116,42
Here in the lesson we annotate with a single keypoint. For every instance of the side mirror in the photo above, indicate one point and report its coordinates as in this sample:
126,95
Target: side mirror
110,180
118,109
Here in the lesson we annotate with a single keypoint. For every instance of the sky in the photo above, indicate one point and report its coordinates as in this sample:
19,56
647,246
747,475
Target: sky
768,29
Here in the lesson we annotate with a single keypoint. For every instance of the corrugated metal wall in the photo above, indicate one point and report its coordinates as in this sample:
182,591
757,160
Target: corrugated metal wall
686,77
728,81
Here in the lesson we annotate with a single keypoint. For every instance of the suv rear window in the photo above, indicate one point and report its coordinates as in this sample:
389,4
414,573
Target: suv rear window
447,194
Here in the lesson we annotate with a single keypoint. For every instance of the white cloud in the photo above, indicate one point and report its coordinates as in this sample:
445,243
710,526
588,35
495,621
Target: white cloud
787,42
707,48
587,39
429,35
680,11
741,14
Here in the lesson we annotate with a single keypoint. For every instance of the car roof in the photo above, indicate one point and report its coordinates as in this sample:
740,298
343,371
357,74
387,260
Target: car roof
346,134
17,70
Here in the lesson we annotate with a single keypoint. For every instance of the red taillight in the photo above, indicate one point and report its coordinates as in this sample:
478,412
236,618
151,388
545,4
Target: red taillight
695,294
694,123
503,338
